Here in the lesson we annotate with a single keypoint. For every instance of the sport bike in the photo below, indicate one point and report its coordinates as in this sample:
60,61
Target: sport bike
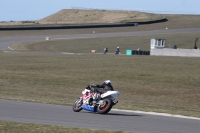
103,103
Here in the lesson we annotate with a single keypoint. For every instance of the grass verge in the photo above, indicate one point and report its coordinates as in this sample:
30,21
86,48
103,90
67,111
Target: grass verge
12,127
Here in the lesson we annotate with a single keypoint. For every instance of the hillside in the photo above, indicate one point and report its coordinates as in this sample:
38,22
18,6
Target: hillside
81,17
73,16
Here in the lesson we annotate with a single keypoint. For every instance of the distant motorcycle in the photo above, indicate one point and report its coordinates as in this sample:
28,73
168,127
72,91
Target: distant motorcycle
117,51
105,50
104,103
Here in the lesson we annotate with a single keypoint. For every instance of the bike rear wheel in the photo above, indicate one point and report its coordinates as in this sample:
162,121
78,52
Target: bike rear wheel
106,107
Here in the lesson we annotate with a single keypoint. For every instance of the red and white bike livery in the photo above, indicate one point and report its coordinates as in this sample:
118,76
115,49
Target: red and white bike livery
103,103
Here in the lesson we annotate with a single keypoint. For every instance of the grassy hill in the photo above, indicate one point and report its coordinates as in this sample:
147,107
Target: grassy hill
74,16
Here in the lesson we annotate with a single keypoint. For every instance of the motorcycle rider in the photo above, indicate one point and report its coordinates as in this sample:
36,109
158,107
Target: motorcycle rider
117,50
106,85
105,50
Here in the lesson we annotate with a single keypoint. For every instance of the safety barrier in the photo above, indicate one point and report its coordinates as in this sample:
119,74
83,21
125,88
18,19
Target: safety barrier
136,52
43,27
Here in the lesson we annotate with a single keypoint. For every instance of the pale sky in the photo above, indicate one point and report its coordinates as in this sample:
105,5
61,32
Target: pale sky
20,10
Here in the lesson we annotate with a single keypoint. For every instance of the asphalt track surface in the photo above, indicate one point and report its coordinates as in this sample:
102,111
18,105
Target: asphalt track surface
27,112
5,42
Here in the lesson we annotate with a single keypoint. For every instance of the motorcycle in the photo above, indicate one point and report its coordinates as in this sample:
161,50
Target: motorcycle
103,103
117,51
105,50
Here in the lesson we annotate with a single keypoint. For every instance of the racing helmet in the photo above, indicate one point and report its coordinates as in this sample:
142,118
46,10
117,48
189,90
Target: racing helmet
107,82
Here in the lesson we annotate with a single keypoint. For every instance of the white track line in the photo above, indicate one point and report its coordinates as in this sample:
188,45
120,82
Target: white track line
10,48
161,114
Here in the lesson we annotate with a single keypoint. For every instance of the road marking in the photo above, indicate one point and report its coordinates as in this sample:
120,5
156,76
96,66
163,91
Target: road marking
66,53
74,38
10,48
161,114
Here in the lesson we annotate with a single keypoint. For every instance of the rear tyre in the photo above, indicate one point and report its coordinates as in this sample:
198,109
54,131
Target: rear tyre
78,105
106,107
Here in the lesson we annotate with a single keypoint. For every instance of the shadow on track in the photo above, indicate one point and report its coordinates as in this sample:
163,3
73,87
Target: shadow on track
113,114
120,114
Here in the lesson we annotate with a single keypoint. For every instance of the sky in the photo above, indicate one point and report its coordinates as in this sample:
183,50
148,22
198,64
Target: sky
22,10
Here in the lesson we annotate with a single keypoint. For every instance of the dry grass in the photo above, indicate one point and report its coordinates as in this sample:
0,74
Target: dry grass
73,16
12,127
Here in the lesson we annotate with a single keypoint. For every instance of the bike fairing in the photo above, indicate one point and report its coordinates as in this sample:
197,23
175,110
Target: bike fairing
90,97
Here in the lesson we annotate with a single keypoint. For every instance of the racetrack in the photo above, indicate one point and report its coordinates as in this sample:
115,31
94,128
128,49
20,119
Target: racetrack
5,42
115,120
63,115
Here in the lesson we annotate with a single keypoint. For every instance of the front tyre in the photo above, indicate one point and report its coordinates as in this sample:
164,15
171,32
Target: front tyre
78,105
105,107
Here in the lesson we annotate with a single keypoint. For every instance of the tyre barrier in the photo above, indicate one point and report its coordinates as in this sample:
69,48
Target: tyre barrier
135,52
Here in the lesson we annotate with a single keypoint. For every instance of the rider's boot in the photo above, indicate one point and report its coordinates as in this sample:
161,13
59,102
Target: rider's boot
88,101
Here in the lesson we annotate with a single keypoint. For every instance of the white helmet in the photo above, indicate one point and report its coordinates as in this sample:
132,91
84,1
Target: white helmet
107,81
